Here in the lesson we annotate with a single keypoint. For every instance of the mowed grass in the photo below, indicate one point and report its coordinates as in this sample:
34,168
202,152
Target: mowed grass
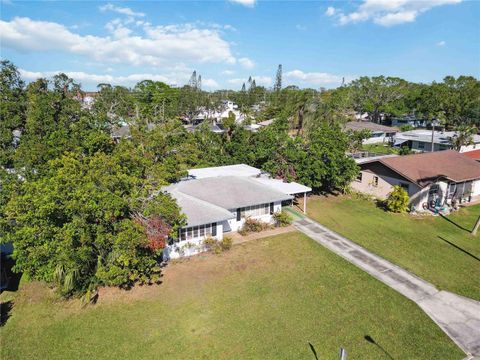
265,299
442,251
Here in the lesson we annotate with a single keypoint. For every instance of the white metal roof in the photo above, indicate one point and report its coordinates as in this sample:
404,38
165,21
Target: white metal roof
229,192
426,136
199,212
284,187
229,170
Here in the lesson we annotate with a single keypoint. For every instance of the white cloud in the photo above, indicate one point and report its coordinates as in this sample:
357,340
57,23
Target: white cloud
249,3
228,72
441,43
210,84
330,11
259,80
158,45
246,63
387,12
173,78
298,77
120,10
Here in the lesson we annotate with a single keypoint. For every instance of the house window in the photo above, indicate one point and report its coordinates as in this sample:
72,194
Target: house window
375,181
421,145
359,177
253,211
405,186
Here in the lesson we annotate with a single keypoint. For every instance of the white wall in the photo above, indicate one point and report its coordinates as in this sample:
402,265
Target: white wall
234,225
190,247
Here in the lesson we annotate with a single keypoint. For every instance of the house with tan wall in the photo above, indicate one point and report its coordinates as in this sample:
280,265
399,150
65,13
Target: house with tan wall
432,179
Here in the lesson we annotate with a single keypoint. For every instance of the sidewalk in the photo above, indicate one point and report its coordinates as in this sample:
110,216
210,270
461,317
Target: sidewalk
457,316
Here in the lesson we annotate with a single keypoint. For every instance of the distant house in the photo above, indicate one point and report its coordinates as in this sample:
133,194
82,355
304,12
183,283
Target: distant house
379,133
217,201
413,121
217,115
421,140
431,179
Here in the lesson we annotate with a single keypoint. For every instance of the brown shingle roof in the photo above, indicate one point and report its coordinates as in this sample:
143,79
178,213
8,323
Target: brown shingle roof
368,125
475,154
426,168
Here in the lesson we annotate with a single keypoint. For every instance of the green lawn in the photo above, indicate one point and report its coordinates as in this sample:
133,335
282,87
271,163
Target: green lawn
265,299
439,250
380,148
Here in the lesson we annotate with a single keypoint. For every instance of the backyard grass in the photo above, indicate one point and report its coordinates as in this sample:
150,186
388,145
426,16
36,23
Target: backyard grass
265,299
440,250
380,148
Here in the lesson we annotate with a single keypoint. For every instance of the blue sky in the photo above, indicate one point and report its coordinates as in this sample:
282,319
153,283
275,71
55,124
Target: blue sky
317,42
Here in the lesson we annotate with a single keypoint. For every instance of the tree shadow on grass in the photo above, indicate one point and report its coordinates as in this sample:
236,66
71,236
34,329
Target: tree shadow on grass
5,311
313,351
454,223
459,248
372,341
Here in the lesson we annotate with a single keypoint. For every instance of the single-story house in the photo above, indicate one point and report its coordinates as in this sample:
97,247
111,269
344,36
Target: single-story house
431,179
217,201
379,133
421,140
413,121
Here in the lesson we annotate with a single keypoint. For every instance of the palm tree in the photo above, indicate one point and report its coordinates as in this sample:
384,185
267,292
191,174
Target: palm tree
463,137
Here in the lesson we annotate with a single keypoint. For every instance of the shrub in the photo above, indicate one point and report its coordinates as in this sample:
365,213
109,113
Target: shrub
252,225
406,127
212,244
397,200
282,219
405,150
226,243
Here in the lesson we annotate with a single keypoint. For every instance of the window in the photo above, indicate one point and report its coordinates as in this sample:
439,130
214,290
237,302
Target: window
375,181
421,145
359,177
252,211
404,186
208,230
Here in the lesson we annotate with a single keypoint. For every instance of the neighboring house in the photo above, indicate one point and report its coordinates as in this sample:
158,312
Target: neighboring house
121,132
215,128
217,115
429,178
475,154
413,121
379,133
421,140
217,201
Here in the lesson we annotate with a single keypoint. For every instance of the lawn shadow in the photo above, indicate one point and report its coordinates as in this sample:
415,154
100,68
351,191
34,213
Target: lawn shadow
313,351
372,341
459,248
454,223
5,312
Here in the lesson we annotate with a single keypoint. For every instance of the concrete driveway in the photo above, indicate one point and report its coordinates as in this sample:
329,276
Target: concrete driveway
457,316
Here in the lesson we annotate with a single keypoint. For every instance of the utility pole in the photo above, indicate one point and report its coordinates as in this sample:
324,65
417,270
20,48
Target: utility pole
433,133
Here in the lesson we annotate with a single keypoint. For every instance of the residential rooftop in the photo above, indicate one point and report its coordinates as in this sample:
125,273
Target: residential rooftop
439,137
424,169
368,125
228,170
228,192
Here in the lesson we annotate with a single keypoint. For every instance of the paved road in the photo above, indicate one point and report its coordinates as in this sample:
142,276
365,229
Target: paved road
457,316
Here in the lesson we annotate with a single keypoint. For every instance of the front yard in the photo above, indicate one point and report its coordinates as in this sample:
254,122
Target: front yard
440,250
266,298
